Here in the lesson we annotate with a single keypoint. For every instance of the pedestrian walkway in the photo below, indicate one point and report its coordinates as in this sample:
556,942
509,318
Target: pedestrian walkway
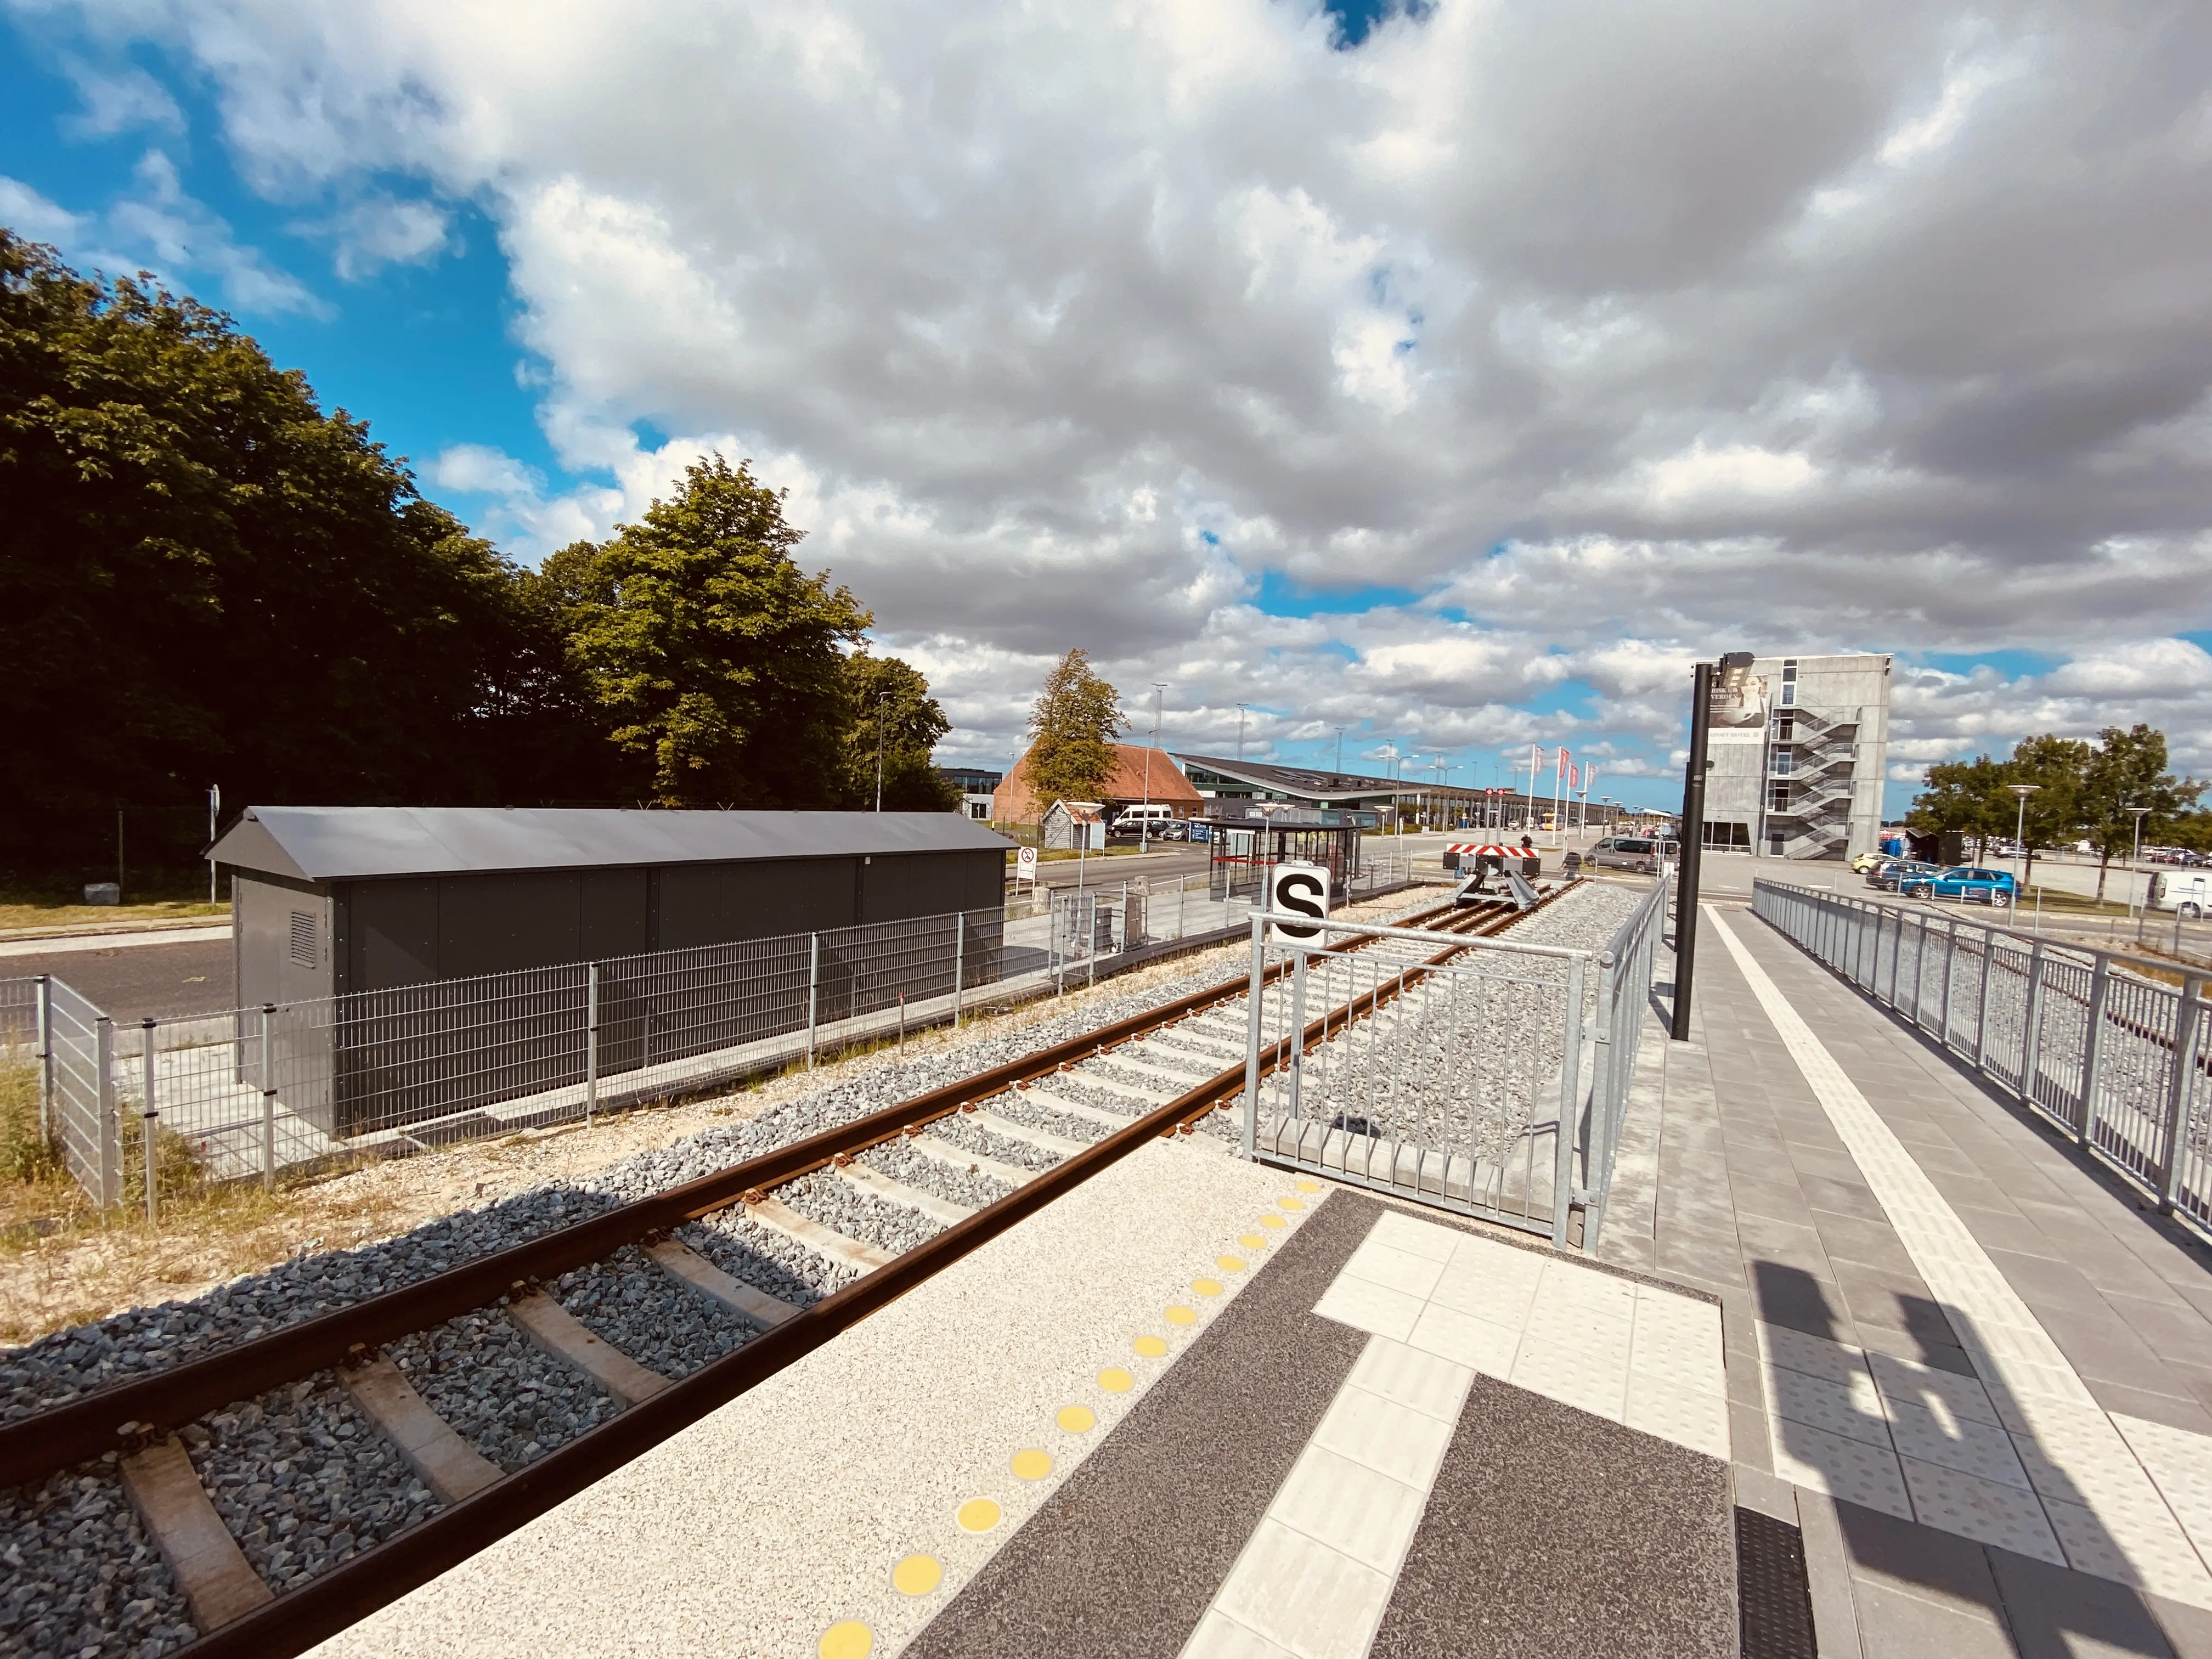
1966,1348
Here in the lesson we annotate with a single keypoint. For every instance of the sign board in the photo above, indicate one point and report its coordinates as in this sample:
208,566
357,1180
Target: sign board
1298,889
1025,864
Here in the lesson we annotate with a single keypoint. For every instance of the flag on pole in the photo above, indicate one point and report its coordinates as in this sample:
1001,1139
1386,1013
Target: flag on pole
1574,777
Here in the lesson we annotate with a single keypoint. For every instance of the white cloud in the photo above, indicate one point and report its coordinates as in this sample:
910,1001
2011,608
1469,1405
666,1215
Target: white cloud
1627,334
383,230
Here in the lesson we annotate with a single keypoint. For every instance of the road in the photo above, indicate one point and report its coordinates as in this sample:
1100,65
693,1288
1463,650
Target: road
140,982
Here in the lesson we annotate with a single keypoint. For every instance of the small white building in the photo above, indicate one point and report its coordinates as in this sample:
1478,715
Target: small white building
1070,824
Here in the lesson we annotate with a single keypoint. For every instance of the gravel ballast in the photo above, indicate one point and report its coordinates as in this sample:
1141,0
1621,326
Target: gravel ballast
79,1576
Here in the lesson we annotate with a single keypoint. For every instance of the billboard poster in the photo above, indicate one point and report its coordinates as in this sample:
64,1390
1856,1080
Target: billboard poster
1738,710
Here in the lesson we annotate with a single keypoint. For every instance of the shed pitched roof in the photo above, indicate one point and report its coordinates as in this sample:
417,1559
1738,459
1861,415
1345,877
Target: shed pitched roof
339,843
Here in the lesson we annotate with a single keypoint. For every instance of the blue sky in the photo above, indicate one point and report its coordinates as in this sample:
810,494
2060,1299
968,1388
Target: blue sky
477,252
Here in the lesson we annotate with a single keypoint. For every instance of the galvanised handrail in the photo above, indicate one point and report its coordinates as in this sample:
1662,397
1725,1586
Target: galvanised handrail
2083,1036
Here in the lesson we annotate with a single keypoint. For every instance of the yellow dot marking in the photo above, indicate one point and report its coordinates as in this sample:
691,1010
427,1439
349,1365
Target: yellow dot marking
1031,1464
1229,1264
1252,1241
848,1639
1206,1287
1180,1315
1292,1203
978,1515
1271,1221
918,1575
1309,1186
1150,1347
1077,1419
1114,1379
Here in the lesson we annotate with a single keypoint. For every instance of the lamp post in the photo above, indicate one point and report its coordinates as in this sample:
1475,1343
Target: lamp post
2019,838
1340,751
882,697
1145,826
2134,858
1240,732
215,813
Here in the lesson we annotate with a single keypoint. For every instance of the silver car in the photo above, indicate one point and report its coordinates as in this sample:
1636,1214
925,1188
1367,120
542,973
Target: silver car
1639,853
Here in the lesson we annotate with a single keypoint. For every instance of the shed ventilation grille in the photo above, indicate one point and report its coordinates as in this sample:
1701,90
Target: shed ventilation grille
303,939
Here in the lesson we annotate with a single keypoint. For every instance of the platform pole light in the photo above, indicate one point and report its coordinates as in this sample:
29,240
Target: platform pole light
1690,846
2135,860
215,813
2022,791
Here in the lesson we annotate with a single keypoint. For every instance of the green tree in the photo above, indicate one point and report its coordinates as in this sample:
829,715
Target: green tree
207,579
2128,769
720,662
897,724
1073,725
1962,798
2056,766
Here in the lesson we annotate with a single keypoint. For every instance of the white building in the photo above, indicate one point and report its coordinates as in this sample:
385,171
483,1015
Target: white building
1799,746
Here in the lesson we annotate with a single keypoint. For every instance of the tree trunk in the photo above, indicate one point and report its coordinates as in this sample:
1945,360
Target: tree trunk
2104,860
2027,876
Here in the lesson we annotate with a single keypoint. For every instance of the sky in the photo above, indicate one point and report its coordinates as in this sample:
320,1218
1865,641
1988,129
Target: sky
1455,375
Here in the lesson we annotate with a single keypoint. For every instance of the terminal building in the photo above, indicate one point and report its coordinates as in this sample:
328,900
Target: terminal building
1799,747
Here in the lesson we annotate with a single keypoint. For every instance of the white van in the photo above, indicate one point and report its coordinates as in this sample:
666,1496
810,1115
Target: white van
1134,821
2188,891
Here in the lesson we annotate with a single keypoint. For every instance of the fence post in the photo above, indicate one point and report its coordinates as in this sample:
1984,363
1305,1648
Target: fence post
2030,1042
813,984
1950,963
110,1130
268,1098
1896,952
1252,1040
45,1058
1982,1003
959,962
591,1041
1570,1071
150,1122
2187,1028
2093,1050
1297,1027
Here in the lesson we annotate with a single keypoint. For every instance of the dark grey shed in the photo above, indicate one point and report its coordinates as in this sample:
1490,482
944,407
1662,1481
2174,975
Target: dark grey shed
328,899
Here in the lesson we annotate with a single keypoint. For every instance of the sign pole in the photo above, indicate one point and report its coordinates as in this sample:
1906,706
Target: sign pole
1693,835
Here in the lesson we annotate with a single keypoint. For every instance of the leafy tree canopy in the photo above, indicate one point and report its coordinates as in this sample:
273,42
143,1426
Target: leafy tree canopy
719,663
1073,724
895,726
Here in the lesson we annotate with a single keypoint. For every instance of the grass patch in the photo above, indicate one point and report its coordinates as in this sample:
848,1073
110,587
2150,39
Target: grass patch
17,912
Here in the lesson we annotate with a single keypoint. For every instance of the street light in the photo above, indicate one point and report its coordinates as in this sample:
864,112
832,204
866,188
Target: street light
1340,751
2134,875
2019,838
1240,732
1145,825
882,697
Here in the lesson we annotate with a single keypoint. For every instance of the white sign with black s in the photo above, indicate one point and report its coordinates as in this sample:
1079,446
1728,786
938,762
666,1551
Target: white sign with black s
1298,889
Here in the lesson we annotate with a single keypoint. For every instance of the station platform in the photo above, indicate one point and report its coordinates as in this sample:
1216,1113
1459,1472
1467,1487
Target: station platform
1198,1406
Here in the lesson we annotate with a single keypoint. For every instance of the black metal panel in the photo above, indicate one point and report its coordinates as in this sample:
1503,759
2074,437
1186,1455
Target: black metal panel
687,907
392,933
785,896
493,924
617,906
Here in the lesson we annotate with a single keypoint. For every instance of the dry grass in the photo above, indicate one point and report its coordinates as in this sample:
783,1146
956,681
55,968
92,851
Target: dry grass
64,1262
16,912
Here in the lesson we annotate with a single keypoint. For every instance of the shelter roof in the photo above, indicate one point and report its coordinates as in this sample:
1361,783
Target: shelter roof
339,843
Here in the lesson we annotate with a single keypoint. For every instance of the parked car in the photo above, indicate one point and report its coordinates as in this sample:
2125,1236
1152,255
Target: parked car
1866,861
1889,872
1151,821
1637,852
1968,885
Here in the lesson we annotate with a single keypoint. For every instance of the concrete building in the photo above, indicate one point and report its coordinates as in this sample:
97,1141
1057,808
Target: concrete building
1799,747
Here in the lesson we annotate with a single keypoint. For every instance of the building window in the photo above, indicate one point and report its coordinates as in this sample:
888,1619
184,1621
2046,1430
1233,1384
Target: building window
1782,763
1777,798
1789,693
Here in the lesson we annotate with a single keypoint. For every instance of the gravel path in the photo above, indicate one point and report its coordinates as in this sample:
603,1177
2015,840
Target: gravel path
78,1575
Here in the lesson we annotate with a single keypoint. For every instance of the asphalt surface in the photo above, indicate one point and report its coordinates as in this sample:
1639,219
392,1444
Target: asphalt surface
142,981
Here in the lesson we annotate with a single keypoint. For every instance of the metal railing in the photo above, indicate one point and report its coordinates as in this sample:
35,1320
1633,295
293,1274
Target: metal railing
1450,1083
2086,1037
249,1092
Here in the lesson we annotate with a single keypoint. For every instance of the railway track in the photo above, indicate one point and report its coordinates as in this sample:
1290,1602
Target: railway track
941,1174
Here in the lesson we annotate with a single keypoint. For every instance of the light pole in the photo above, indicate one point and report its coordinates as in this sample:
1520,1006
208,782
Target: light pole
1340,751
881,698
215,813
2019,838
1145,827
1240,732
2134,875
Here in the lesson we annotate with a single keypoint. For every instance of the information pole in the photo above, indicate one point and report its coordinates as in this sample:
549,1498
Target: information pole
1693,843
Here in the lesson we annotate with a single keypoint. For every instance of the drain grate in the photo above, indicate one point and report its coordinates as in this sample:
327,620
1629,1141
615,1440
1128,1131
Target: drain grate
1774,1605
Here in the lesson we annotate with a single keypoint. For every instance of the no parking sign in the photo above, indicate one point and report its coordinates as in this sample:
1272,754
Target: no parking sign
1025,864
1298,889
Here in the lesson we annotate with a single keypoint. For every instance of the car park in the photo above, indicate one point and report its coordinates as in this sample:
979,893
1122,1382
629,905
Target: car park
1964,882
1866,861
1889,872
1639,853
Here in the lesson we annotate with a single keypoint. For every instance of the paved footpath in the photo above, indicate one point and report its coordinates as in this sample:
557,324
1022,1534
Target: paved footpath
1967,1361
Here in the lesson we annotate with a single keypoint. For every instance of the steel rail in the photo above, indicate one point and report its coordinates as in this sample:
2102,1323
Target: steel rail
124,1415
344,1595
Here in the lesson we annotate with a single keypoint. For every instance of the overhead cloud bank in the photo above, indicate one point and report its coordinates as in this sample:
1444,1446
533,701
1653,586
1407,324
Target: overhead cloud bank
1602,335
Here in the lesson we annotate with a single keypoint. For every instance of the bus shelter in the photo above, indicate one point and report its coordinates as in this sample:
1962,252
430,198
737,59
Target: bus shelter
1247,841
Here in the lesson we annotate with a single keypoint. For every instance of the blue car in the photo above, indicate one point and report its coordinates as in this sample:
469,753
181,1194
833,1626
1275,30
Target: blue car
1991,887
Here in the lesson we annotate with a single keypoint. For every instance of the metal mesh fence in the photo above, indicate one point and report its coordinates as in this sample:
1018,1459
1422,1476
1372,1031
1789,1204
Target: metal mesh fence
1494,1085
2103,1044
